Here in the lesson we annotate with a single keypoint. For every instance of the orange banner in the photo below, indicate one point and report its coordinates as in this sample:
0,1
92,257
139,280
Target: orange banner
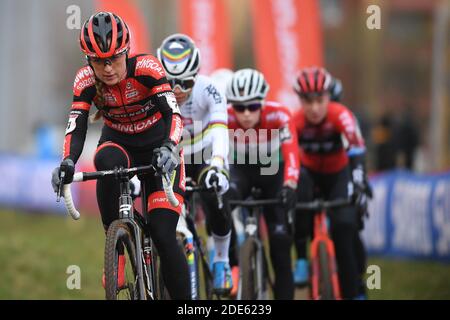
129,11
207,23
287,36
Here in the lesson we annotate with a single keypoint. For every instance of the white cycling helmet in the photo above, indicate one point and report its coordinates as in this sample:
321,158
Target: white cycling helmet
247,85
179,56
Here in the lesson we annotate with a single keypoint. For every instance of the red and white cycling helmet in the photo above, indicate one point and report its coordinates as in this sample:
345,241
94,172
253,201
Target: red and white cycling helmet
312,81
104,35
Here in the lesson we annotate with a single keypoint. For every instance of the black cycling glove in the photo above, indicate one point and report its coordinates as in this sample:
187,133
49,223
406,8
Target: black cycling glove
68,167
166,158
288,198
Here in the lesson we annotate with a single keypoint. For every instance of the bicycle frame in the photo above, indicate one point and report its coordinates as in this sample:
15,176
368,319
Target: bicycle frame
252,233
126,214
251,228
321,235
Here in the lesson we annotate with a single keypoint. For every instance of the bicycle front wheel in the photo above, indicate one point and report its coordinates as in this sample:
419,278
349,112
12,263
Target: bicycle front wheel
325,283
248,289
122,278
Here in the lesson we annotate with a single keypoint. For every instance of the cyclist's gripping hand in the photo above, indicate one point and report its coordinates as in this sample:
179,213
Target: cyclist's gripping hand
288,197
214,177
362,190
68,167
166,158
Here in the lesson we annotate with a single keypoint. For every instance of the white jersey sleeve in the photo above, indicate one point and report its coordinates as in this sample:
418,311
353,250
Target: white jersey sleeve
218,126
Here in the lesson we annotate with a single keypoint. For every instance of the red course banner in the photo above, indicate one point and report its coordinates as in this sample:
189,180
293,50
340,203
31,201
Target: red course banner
287,36
207,23
129,11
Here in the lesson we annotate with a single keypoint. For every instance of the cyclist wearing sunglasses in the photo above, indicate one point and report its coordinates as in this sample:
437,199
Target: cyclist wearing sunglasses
205,142
328,134
250,113
142,124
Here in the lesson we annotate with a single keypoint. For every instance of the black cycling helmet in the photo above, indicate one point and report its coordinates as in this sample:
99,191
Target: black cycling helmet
104,35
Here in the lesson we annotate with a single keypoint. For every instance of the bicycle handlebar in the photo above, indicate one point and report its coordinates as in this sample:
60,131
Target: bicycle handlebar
202,188
320,204
255,203
196,189
68,201
86,176
168,190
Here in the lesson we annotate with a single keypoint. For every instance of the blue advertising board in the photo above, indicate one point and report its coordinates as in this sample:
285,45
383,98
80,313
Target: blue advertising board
409,216
26,184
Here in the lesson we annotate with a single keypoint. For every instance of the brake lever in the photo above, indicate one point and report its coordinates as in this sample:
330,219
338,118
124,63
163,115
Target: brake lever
218,195
61,179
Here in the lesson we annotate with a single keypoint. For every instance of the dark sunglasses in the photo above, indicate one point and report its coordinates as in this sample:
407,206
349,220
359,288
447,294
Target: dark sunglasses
311,97
250,107
106,60
184,84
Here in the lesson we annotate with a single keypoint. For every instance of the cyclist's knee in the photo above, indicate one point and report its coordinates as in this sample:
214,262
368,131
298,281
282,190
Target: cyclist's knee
343,233
162,224
109,155
344,218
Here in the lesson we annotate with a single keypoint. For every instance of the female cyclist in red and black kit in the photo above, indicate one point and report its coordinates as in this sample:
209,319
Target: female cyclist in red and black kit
141,123
328,134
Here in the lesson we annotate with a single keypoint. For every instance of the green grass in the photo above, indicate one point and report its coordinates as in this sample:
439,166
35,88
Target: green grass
403,279
35,251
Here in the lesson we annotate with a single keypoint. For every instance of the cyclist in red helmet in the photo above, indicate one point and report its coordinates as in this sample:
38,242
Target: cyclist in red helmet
142,125
328,134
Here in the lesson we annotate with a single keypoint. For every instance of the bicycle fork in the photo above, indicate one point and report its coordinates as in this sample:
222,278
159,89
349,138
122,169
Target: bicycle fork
126,212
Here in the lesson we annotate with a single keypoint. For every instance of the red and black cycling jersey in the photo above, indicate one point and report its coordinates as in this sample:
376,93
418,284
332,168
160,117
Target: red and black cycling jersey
323,147
140,111
275,124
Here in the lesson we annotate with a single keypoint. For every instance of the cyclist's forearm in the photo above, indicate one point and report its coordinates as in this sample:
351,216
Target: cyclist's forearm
75,134
218,126
171,115
291,158
220,145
